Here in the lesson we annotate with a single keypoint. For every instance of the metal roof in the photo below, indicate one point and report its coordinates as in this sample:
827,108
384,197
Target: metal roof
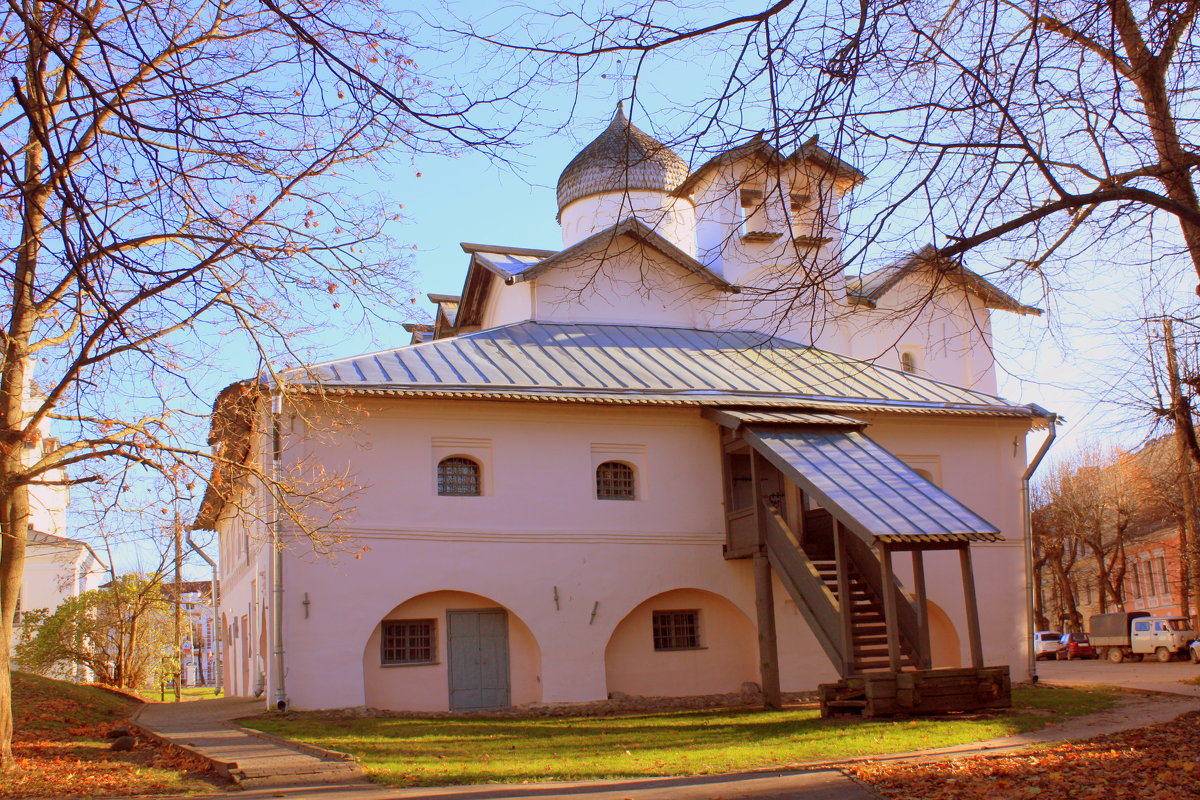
506,265
868,289
628,363
735,418
868,489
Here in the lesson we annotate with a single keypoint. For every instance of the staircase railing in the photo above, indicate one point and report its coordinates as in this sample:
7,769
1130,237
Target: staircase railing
803,582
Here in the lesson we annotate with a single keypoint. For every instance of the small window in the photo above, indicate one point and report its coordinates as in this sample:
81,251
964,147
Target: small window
458,477
755,221
1141,626
908,362
407,641
676,630
614,481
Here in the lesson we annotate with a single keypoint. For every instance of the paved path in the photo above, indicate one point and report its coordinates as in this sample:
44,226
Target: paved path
1148,676
247,759
827,784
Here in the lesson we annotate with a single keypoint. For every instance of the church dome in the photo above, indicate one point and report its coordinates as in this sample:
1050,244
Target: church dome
621,159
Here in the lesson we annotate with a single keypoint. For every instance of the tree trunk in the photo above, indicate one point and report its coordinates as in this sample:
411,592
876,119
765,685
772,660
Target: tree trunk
14,384
178,608
1181,416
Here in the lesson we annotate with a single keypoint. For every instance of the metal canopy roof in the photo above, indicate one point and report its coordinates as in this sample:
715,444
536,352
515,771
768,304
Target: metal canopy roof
532,360
867,489
735,418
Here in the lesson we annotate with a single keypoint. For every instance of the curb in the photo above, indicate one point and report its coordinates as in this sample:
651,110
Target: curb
303,747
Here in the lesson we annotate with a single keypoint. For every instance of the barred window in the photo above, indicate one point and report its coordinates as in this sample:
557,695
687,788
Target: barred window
407,641
676,630
458,477
614,481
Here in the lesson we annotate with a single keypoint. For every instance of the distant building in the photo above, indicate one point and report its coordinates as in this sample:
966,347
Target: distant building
200,632
1146,558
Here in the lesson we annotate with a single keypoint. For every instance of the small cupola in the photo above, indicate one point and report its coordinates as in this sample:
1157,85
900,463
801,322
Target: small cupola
625,172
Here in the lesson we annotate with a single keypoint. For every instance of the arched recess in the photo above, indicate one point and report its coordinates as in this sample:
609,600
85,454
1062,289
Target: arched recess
944,645
425,686
725,655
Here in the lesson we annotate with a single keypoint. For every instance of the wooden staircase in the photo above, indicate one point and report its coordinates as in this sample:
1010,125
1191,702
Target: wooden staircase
868,630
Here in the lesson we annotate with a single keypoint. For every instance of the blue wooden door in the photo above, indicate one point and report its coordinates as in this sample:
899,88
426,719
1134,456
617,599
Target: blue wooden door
478,656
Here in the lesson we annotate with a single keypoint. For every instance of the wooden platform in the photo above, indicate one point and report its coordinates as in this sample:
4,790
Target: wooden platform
928,691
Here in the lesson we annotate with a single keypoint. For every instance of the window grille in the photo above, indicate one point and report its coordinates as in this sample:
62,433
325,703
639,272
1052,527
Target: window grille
458,477
614,481
407,641
908,362
676,630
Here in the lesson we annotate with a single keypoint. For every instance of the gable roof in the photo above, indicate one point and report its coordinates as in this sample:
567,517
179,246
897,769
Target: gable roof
870,288
643,365
519,264
758,147
640,232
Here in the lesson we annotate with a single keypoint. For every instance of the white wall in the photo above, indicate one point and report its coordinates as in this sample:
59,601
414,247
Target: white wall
673,218
948,330
538,530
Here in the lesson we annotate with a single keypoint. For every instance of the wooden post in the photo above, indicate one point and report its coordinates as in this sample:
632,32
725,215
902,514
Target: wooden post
918,568
845,605
764,597
973,633
768,648
890,616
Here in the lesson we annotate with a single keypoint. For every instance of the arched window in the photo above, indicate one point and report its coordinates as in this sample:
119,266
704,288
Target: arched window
614,481
458,477
908,362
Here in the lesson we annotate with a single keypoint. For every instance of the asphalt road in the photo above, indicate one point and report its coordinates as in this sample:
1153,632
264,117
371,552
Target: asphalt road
1149,676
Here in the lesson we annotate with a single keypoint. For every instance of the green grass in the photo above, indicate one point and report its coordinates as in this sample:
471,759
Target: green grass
441,751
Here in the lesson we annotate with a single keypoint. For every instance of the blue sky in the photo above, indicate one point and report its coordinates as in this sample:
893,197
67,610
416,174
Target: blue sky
1063,361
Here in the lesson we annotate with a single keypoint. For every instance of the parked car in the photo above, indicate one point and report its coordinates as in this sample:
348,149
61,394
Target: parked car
1045,644
1075,645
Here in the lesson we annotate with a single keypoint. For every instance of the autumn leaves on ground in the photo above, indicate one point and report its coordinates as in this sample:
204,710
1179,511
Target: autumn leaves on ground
1155,763
62,751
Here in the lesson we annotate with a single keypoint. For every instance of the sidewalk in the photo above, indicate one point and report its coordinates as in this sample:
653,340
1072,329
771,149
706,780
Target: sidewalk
248,759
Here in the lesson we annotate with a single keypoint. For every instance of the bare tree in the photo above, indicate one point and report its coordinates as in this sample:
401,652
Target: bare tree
1050,127
171,170
1091,499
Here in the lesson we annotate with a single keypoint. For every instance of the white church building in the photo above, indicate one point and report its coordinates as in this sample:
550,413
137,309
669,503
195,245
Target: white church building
682,453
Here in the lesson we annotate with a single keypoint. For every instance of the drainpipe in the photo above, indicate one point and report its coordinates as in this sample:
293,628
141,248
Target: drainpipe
216,604
277,550
1027,535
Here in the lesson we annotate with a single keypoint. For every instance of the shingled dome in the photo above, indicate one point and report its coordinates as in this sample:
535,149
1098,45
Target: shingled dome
622,158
